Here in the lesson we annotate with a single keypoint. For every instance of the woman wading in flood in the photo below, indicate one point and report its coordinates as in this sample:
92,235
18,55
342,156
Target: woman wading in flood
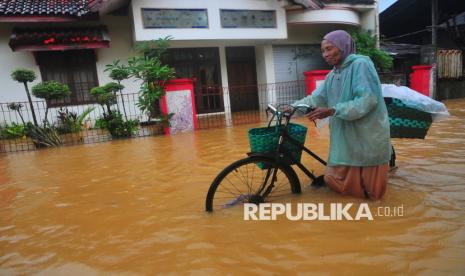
360,146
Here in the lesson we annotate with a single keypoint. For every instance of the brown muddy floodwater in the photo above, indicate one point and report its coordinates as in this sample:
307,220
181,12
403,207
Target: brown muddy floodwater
136,206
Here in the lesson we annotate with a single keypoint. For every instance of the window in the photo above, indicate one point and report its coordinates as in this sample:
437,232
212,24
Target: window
248,19
76,68
175,18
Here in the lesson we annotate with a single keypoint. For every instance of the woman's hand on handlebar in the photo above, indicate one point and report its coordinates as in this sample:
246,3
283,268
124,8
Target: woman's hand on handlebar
320,113
287,109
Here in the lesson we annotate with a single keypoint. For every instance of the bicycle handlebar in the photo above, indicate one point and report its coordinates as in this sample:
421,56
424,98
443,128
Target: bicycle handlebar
289,110
286,113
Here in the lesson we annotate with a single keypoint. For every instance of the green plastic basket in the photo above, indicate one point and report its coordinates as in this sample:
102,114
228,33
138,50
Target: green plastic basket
407,122
265,139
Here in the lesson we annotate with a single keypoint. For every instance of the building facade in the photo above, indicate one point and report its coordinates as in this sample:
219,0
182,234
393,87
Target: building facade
229,47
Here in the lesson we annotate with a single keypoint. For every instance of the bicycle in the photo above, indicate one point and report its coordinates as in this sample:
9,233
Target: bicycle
259,177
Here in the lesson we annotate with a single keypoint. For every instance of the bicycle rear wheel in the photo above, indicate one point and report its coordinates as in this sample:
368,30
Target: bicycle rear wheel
253,179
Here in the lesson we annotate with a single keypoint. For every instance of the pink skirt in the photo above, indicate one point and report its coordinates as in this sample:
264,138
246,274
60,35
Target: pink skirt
366,182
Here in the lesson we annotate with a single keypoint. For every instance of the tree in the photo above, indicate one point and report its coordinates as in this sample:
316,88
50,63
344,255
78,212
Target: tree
24,76
112,119
366,45
50,90
119,72
105,95
148,68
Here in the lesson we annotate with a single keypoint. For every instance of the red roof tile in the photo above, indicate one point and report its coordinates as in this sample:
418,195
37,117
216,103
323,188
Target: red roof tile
47,7
59,38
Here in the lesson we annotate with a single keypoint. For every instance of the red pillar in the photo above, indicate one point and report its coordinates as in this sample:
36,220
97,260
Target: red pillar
314,78
179,99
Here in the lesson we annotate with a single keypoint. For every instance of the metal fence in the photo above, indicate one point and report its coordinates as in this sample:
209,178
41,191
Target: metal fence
397,78
241,105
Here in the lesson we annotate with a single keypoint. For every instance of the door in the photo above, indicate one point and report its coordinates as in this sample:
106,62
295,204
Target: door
204,65
290,63
242,78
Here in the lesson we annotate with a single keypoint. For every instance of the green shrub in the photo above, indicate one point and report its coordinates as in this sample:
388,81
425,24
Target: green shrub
116,125
101,123
46,136
70,122
50,90
366,45
102,96
23,75
113,87
12,131
118,72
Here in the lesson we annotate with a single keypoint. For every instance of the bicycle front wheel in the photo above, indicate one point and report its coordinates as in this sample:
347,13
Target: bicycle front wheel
254,179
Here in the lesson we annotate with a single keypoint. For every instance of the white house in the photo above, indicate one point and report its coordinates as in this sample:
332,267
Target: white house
240,44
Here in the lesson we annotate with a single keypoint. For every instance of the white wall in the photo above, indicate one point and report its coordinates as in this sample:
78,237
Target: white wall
120,32
311,34
325,16
369,21
121,47
11,90
214,31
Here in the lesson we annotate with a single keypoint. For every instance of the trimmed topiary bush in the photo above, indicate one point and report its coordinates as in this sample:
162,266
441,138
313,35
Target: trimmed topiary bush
24,76
50,90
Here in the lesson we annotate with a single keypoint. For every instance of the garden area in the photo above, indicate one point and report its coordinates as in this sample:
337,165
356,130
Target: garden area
47,123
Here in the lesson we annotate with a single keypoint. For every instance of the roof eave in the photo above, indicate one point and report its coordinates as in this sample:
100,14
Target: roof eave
60,47
36,18
104,7
309,4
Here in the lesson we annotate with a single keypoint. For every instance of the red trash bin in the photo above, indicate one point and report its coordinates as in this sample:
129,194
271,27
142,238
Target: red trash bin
314,78
420,79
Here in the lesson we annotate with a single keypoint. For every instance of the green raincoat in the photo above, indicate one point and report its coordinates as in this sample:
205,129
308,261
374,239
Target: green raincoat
359,128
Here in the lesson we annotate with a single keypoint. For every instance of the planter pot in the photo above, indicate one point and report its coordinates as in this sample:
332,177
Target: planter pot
96,135
16,145
151,128
72,138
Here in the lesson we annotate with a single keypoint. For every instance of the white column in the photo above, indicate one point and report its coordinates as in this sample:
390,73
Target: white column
270,77
224,82
261,75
